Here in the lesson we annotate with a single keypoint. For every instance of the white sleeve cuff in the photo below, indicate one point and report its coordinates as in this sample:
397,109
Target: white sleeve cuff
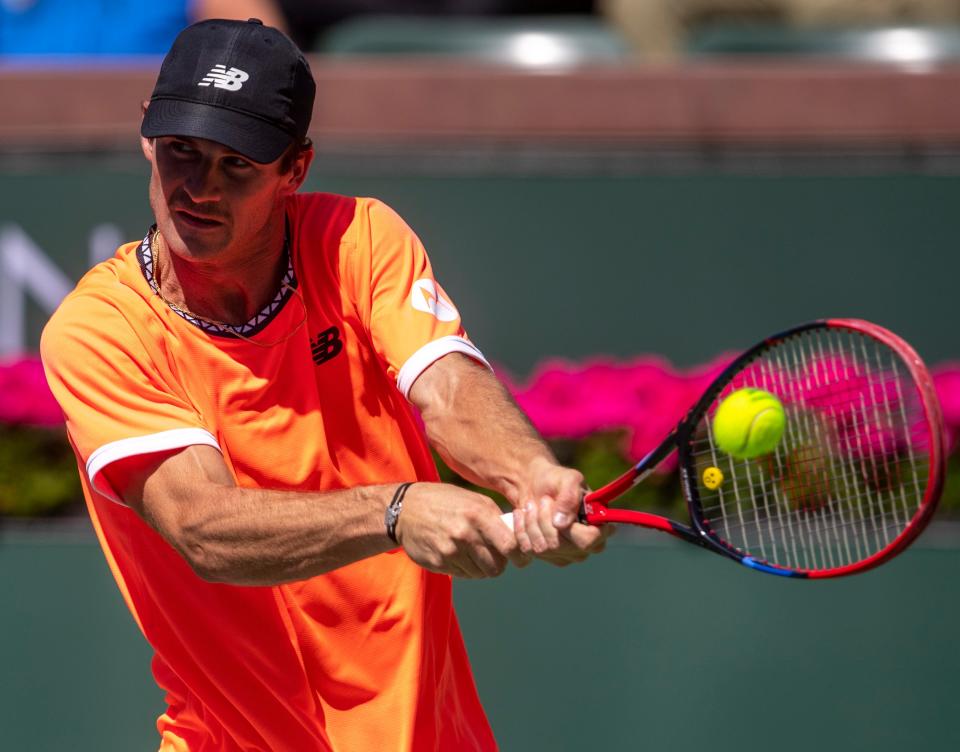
433,351
164,441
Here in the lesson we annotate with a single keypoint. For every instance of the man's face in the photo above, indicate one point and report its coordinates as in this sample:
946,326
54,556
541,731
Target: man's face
210,201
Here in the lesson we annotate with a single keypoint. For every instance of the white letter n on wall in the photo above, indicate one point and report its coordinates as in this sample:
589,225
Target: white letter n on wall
24,268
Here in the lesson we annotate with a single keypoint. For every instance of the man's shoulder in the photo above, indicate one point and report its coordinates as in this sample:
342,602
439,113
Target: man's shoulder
338,233
104,297
317,204
325,211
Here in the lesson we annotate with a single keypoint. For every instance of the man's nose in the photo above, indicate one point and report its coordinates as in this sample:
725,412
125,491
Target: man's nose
202,183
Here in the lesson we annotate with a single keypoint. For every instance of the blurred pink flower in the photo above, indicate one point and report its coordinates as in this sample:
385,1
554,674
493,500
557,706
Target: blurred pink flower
25,397
645,397
946,378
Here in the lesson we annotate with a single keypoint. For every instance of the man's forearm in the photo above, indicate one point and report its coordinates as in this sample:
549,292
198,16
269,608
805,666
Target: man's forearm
248,536
481,433
477,428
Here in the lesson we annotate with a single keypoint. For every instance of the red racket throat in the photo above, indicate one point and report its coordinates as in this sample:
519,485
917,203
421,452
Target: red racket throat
854,479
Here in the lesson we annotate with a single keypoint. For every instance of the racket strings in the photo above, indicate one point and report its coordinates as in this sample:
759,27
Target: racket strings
850,471
808,497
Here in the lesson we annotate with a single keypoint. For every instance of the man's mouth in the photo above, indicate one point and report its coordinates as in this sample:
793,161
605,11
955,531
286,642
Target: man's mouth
200,221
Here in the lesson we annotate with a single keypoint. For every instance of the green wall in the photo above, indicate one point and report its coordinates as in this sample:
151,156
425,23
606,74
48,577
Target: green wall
682,265
649,646
653,645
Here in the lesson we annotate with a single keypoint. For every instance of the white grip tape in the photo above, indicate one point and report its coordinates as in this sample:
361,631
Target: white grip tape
507,519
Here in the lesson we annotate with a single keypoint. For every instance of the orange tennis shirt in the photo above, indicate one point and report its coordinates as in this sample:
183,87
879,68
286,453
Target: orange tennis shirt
367,657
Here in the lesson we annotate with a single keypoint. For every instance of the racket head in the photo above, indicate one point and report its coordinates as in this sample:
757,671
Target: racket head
858,472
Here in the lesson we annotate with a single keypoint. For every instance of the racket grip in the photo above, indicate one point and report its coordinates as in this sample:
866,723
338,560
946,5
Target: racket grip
507,517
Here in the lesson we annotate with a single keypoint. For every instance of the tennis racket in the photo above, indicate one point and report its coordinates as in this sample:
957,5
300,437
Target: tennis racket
855,477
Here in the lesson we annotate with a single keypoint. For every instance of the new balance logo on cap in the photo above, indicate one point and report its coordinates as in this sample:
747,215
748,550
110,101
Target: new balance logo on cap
258,108
221,78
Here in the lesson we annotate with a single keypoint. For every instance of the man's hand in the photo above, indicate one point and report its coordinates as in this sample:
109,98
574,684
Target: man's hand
451,530
545,517
479,431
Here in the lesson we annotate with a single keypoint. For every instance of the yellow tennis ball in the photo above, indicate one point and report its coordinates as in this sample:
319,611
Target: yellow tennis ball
749,423
712,478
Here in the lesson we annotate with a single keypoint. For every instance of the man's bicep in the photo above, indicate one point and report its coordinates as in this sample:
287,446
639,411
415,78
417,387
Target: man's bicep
156,485
437,387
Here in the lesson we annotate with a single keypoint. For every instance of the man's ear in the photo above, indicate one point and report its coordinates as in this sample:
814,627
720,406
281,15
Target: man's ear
146,144
300,168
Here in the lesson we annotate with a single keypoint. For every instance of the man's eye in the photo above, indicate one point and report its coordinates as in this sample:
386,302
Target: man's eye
236,162
181,147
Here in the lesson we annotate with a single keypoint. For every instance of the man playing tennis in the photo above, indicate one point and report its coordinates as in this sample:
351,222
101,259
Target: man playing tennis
238,389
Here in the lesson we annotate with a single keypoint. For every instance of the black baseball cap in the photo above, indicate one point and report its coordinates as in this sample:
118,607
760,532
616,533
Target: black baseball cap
239,83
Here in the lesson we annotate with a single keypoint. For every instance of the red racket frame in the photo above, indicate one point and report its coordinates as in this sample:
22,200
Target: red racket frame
596,510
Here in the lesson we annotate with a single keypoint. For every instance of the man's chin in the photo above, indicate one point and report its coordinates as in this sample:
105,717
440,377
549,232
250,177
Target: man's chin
201,243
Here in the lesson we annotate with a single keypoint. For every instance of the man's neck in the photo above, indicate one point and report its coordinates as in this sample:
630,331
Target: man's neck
231,290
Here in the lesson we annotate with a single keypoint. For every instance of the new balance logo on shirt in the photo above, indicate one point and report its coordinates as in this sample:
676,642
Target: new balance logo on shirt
221,78
326,345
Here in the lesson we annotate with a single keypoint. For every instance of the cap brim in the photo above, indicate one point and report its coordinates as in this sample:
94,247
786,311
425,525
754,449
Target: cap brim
255,139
